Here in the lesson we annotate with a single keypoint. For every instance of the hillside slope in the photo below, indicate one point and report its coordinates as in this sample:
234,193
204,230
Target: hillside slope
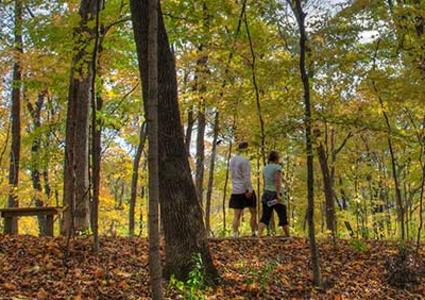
271,268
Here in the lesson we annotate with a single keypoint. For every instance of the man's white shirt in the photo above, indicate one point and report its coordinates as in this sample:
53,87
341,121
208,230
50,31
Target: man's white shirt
240,171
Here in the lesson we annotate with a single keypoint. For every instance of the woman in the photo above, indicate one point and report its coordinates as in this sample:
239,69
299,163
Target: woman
272,196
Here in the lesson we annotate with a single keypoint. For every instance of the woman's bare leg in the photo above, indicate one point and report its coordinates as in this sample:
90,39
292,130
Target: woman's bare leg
286,230
261,227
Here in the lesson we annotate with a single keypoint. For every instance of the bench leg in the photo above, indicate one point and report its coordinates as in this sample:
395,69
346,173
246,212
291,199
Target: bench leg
8,225
49,226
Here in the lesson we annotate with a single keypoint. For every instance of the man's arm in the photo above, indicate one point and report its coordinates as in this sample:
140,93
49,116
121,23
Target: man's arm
247,177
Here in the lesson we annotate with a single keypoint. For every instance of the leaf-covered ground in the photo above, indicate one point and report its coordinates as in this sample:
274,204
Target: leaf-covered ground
271,268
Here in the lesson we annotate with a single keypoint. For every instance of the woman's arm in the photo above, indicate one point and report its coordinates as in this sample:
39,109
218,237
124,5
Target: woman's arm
278,182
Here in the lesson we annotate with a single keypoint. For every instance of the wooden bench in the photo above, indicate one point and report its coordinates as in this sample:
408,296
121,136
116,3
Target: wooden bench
49,212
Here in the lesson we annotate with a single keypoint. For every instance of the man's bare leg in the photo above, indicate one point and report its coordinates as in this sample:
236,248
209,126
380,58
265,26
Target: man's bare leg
236,222
253,220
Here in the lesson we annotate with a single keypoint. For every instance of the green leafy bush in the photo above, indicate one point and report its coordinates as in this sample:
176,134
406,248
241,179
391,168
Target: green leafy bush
359,245
193,288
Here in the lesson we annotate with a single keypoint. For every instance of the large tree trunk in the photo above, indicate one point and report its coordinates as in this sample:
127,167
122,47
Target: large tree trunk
76,181
300,16
135,178
155,269
11,224
211,173
184,231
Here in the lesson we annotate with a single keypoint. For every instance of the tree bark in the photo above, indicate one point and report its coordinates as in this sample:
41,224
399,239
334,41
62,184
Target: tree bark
226,183
200,151
328,191
300,16
189,129
398,196
96,128
155,269
211,172
135,178
11,224
257,94
201,75
184,231
35,112
421,208
76,180
421,138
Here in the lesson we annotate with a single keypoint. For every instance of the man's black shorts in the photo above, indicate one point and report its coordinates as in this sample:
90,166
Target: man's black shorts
240,201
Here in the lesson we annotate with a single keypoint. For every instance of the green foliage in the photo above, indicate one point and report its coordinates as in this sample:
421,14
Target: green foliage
359,245
260,276
224,232
193,288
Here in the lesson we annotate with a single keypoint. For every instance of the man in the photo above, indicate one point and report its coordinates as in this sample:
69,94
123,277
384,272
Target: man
242,192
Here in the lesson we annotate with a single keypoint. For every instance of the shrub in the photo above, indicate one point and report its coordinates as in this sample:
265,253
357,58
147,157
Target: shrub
401,269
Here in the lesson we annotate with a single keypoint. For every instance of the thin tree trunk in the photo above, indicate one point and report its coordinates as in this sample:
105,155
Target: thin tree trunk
300,16
398,196
35,113
202,71
200,152
142,195
259,204
184,230
96,106
229,59
155,269
421,201
11,224
76,169
257,92
211,172
6,142
421,208
328,191
135,178
47,187
420,136
226,183
189,129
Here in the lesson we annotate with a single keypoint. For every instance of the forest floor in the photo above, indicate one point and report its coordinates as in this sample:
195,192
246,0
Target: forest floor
271,268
